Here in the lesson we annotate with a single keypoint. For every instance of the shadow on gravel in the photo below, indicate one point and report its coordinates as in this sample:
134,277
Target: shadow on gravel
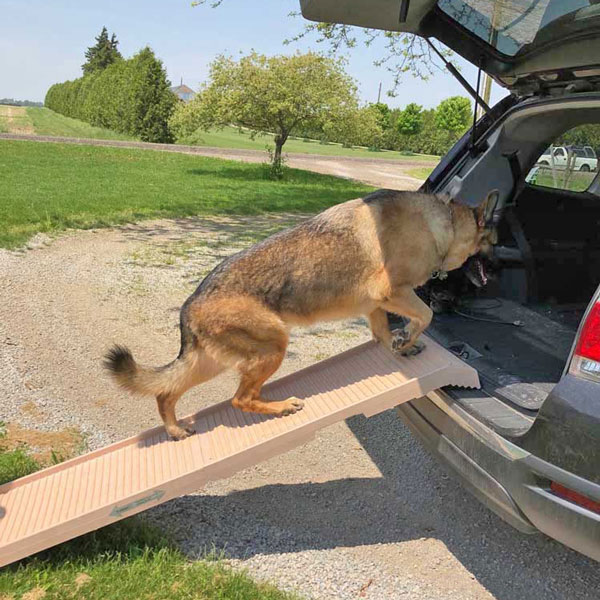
230,227
413,500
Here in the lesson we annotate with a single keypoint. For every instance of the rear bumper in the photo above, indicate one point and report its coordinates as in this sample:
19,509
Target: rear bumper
505,477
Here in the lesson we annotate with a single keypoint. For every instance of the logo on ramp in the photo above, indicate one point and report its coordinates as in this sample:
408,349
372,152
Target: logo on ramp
119,511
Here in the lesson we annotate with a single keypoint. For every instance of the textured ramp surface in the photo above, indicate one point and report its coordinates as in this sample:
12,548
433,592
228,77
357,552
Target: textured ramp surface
98,488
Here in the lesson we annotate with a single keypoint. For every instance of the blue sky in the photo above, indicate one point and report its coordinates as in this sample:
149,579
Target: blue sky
43,42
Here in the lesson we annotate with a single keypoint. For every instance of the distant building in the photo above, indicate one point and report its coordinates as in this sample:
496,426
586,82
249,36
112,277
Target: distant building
183,92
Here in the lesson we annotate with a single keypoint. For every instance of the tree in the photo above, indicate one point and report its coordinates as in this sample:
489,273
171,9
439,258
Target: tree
356,127
453,114
152,101
383,116
403,53
276,95
131,96
410,121
584,135
103,53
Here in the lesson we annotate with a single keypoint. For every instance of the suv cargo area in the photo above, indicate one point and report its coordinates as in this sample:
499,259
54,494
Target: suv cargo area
518,329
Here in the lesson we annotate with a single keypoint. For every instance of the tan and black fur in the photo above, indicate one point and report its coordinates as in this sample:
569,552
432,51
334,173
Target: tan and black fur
362,257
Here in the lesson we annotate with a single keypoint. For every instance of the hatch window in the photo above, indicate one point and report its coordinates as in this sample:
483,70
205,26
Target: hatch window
511,26
570,163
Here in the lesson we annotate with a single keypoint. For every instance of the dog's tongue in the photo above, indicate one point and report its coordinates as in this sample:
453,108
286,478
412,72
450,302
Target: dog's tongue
475,271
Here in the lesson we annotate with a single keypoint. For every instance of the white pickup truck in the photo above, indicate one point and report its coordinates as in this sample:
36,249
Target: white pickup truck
580,158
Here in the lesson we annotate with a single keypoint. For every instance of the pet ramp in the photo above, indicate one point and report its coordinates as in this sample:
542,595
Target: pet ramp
99,488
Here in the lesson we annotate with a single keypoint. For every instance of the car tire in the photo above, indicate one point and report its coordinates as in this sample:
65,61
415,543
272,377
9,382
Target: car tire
585,168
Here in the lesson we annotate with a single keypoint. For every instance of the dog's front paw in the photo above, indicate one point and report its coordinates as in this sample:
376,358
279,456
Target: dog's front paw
415,349
401,343
400,338
180,433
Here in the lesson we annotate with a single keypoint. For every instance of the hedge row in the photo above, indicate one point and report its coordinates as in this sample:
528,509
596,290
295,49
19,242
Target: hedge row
130,96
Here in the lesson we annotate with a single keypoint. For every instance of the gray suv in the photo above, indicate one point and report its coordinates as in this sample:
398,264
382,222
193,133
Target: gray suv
527,444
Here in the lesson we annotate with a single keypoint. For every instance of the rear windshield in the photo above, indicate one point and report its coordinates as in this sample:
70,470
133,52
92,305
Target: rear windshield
511,26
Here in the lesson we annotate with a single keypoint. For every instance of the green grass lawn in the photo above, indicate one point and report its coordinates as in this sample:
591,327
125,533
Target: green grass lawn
231,137
51,187
125,561
128,561
47,122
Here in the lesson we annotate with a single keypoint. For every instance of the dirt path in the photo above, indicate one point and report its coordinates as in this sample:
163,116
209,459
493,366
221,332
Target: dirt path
378,172
360,512
15,120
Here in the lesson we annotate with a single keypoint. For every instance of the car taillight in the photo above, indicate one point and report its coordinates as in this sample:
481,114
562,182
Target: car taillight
576,497
586,358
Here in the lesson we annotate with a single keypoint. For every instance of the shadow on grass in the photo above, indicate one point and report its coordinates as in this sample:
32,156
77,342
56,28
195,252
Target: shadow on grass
291,177
130,561
129,538
232,173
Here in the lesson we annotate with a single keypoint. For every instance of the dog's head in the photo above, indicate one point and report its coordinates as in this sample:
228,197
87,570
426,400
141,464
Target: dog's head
486,229
474,237
486,239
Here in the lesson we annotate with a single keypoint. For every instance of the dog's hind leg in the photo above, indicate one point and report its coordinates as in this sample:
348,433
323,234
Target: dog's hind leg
196,367
241,332
254,373
166,408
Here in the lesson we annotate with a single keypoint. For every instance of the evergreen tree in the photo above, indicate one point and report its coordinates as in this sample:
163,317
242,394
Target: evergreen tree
102,54
131,96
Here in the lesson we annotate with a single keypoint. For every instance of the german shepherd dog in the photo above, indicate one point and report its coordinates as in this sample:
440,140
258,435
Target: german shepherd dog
362,257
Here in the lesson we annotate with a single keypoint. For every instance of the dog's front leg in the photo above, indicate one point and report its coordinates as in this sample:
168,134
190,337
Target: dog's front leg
406,303
380,327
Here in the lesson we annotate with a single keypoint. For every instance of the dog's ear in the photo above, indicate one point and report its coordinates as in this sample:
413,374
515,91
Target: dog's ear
485,211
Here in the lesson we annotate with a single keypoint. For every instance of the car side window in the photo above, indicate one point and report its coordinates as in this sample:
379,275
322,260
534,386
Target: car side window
570,162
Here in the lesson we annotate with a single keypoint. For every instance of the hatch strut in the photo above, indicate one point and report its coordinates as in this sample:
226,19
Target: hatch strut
476,109
474,93
403,11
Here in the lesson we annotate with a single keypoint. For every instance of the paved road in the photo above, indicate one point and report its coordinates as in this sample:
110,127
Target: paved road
379,172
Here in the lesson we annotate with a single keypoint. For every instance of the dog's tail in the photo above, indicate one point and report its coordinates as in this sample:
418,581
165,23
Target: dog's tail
146,381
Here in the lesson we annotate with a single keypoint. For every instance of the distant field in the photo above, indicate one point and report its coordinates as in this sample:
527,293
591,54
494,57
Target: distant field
50,187
14,119
231,137
43,121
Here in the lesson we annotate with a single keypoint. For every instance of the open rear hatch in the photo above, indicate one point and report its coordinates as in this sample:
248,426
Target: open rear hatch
518,42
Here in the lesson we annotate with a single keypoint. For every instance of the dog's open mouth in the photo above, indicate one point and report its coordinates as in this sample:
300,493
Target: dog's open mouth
475,271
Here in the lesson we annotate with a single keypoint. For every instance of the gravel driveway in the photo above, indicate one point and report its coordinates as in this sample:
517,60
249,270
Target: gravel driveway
360,512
